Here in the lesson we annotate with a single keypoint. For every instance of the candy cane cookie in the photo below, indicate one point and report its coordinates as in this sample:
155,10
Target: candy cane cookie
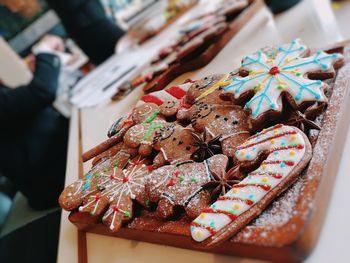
288,152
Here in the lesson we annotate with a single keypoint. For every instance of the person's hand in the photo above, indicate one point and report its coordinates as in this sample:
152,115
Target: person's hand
55,43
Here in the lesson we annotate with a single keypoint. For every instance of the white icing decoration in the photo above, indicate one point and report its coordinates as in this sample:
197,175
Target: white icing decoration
287,148
115,187
291,77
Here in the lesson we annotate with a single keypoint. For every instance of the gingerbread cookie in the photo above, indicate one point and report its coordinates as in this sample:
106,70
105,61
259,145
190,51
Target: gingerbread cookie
145,113
227,121
169,100
174,143
118,188
74,194
288,152
107,154
181,185
271,73
207,89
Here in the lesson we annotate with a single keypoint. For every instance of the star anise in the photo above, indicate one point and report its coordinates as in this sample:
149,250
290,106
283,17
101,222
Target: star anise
206,148
300,120
223,182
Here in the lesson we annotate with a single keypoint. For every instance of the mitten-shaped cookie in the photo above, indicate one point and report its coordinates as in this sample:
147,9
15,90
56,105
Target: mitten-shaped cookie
74,194
227,121
288,152
181,185
174,143
286,71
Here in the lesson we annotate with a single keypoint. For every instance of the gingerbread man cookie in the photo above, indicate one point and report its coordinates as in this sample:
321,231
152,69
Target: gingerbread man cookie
227,121
141,135
271,73
288,152
174,143
206,90
181,185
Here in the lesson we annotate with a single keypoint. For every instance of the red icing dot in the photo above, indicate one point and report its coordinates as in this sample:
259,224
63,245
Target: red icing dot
111,177
136,162
150,168
97,197
125,180
274,70
170,183
289,163
176,173
115,208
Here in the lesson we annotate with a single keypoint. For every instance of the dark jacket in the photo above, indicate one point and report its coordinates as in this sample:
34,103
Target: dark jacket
23,102
33,136
87,24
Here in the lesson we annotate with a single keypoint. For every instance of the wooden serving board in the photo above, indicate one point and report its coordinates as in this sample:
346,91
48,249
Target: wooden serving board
289,228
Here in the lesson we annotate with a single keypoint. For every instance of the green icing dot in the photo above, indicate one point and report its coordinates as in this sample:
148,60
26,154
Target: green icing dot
116,165
279,87
148,203
298,74
193,179
127,214
182,178
97,175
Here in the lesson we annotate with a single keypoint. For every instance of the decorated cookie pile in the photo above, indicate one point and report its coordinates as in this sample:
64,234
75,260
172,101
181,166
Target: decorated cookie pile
218,150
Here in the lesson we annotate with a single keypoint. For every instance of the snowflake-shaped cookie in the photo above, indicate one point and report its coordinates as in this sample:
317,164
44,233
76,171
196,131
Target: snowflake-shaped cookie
118,188
285,69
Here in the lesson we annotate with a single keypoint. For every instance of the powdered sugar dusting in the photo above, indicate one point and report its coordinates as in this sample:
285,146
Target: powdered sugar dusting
280,211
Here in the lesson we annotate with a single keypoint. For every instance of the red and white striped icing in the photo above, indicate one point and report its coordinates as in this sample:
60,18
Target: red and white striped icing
171,93
286,146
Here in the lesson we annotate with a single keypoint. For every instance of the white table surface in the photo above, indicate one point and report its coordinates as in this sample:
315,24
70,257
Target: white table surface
311,20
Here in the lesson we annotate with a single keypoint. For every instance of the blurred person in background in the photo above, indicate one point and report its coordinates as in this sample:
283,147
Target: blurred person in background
86,23
33,136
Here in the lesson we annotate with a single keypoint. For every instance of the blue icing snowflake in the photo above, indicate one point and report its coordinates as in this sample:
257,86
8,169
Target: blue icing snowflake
282,70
